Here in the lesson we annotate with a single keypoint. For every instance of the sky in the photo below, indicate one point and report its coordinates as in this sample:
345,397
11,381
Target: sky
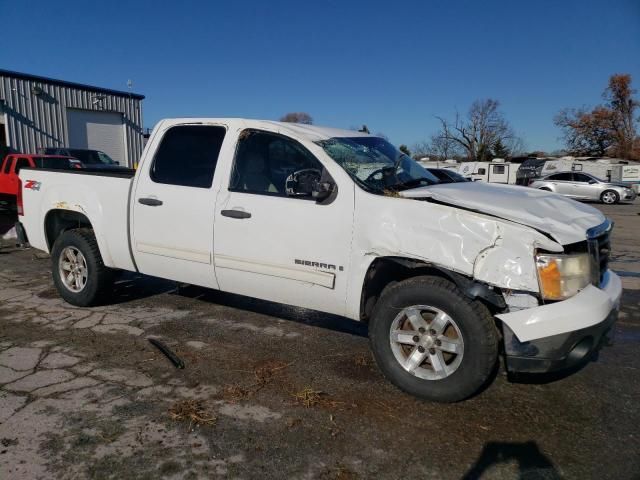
393,66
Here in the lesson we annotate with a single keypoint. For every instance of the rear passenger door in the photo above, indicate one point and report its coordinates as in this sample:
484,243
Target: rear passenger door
562,183
173,205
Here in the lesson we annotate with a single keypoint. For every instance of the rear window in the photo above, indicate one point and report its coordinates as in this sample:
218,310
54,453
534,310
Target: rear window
43,162
20,163
188,155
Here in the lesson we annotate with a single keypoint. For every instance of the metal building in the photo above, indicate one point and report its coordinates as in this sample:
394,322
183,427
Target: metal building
43,112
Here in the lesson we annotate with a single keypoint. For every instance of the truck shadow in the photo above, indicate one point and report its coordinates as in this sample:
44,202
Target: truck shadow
532,463
131,287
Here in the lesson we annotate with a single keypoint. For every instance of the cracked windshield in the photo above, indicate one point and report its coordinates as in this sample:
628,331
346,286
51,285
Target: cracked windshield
376,165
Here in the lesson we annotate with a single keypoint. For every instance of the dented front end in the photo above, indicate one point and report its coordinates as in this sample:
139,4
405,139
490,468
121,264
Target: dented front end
499,253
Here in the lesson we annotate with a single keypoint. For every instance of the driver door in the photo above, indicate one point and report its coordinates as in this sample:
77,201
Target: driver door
582,188
278,247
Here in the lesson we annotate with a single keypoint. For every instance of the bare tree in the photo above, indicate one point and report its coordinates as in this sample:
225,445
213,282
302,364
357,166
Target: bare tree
442,148
477,133
297,117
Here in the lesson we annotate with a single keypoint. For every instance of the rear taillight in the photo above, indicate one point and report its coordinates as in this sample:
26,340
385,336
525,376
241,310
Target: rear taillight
19,203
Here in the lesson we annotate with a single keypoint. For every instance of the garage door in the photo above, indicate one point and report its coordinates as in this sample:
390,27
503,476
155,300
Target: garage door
102,131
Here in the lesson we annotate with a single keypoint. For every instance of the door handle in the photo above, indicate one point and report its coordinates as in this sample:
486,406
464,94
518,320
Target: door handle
152,202
239,214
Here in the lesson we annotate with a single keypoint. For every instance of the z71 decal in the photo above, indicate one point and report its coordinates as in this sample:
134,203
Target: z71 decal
32,185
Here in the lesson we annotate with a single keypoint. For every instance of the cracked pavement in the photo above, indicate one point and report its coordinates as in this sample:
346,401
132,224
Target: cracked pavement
84,395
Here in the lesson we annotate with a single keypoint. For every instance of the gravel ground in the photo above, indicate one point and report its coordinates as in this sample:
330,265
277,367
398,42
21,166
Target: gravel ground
276,392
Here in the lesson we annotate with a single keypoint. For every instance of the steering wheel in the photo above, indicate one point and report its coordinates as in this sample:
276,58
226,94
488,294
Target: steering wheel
382,172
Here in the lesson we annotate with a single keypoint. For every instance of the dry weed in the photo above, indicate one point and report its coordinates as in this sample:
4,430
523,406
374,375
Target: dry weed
308,397
234,393
266,372
192,411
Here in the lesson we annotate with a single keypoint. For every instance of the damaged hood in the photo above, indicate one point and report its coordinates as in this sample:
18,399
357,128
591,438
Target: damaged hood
564,219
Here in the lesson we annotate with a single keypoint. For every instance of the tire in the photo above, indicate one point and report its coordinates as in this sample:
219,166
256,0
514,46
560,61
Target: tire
609,197
471,328
98,279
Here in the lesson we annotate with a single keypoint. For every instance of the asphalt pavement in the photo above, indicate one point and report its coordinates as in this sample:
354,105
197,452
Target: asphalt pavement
270,391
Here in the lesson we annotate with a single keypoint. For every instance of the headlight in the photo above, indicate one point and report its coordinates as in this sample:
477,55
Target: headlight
562,276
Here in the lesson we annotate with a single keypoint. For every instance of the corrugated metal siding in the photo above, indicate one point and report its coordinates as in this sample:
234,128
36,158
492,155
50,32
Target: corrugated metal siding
35,121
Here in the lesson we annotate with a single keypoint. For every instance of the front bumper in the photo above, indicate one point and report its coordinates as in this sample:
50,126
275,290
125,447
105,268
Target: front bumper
563,334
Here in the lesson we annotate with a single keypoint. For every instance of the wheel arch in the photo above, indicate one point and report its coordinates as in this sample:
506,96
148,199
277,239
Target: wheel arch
384,272
57,221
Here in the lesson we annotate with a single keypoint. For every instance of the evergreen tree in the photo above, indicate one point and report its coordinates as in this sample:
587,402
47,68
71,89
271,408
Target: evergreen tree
500,150
404,149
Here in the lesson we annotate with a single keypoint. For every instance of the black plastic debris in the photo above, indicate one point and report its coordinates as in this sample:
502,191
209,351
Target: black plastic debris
177,361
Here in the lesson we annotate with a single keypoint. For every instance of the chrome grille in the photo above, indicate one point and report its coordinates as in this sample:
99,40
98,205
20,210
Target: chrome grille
599,241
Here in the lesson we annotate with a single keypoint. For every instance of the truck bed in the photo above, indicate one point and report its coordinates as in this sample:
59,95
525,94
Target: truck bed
102,197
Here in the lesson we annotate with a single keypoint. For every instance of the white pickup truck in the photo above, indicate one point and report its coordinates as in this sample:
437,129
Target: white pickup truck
449,277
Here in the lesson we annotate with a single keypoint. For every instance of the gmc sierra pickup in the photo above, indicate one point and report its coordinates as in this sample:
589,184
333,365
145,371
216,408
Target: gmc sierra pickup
449,277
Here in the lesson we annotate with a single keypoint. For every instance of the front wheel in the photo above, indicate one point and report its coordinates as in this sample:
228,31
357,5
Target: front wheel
79,273
609,197
432,341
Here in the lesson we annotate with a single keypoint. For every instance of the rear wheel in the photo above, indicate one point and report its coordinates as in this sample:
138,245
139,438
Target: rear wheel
79,273
609,197
433,342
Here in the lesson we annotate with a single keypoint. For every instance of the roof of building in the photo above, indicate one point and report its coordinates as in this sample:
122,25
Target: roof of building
64,83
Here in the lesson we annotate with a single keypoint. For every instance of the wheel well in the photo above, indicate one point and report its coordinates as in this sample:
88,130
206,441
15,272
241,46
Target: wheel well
58,221
385,272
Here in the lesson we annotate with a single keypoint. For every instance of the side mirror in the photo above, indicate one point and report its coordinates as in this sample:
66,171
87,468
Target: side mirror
117,163
591,182
307,183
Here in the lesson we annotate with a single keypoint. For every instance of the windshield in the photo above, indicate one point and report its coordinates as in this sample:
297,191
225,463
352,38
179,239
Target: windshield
104,158
456,176
376,165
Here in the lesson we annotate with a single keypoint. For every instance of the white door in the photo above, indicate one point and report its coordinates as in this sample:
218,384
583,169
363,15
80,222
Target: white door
498,173
287,249
96,130
173,205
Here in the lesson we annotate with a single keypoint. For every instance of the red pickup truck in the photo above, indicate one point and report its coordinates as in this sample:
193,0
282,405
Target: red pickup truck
12,163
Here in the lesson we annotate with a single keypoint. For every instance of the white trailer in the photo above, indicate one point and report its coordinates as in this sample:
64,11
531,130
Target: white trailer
496,171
